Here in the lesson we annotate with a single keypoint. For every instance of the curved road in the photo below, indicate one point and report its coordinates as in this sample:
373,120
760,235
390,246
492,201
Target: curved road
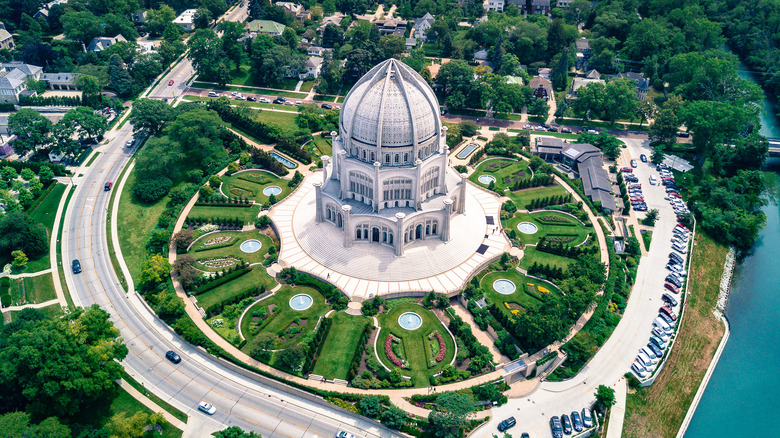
239,400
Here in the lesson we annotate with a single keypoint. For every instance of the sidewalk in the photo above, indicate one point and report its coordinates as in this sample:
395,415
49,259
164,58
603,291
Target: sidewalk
175,422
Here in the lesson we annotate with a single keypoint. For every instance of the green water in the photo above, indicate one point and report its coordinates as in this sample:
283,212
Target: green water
741,398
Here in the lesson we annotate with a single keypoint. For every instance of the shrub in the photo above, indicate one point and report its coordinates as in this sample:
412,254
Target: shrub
152,190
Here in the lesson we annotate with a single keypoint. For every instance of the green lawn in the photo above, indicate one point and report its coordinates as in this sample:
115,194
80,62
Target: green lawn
505,171
247,214
570,231
282,320
414,342
36,289
45,212
527,292
122,403
323,146
255,278
532,256
135,223
202,252
50,311
524,197
341,343
250,185
286,120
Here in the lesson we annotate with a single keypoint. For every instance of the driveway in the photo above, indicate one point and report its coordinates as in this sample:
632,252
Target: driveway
616,355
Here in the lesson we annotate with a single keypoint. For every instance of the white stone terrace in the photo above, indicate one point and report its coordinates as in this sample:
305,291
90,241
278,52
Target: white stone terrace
369,269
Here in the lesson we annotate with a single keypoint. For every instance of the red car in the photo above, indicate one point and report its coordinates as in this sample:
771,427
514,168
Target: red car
682,227
675,195
672,288
668,313
637,199
635,186
170,82
626,170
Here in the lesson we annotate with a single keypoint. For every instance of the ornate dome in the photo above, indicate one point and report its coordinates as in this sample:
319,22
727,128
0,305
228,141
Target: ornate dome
391,106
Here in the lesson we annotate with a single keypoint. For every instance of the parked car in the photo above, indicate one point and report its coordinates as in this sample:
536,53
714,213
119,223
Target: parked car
653,180
661,324
251,98
676,257
668,312
649,353
207,408
326,106
661,334
129,143
551,129
555,427
506,424
634,163
213,94
658,342
683,134
587,417
172,356
644,360
289,103
278,102
566,130
674,280
626,169
575,418
281,99
566,424
643,157
263,100
654,348
672,288
639,370
76,266
669,299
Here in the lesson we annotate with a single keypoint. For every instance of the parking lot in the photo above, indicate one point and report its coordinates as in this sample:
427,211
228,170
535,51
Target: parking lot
614,359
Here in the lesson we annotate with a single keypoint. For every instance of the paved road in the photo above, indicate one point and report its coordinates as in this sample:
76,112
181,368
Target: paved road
615,357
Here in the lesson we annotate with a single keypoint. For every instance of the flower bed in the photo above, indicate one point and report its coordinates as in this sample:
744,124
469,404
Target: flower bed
217,241
255,178
442,347
219,262
494,166
555,220
241,192
389,351
560,238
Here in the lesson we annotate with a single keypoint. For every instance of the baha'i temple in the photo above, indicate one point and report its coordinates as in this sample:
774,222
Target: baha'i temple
387,215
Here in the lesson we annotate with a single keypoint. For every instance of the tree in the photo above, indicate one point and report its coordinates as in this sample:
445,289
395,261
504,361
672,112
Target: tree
46,174
539,108
27,174
578,11
748,153
20,259
90,90
233,48
158,19
150,115
8,173
605,397
658,155
60,366
292,357
202,18
712,123
88,124
61,139
205,52
31,130
199,133
81,26
36,186
457,79
154,271
394,417
621,100
452,412
129,427
650,218
235,432
19,232
120,79
667,121
370,406
17,424
646,109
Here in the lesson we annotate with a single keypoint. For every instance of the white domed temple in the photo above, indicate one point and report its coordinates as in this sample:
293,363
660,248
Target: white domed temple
387,215
389,183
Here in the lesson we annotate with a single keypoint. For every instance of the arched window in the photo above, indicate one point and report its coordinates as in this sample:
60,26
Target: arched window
357,234
372,156
428,230
396,158
390,239
387,158
364,154
435,226
406,158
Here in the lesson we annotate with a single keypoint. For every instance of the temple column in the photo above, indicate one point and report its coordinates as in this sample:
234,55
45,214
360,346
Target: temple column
418,185
376,198
325,161
462,197
342,173
399,234
318,197
347,211
445,226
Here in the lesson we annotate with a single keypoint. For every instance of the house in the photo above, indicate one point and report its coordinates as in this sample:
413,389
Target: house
265,26
101,43
481,55
411,43
296,10
642,83
587,160
514,80
43,12
313,66
421,26
6,149
563,3
186,20
332,19
55,156
60,81
583,52
545,72
391,26
495,5
316,51
542,88
13,78
6,40
532,6
583,81
147,46
139,16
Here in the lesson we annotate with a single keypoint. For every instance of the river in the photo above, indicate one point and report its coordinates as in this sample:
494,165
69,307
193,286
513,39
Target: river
740,398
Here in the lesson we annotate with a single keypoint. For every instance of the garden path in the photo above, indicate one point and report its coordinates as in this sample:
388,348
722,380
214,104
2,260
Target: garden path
480,334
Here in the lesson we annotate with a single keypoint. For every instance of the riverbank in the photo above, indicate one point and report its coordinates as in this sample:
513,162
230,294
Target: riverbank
659,410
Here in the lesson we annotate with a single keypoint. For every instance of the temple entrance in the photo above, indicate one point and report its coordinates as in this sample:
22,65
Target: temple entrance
375,234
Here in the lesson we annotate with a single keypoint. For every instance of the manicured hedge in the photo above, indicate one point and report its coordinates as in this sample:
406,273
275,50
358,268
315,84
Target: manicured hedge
357,357
35,166
222,280
315,345
217,308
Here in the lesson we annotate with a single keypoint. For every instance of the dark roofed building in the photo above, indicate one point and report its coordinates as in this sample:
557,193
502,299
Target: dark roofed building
542,88
588,162
642,83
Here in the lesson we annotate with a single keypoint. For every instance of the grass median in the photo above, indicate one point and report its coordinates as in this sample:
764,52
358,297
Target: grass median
658,410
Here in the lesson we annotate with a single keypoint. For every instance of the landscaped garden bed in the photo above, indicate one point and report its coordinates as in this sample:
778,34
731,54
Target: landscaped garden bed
551,223
250,185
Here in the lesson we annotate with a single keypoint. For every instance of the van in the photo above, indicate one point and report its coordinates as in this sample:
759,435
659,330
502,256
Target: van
650,354
645,360
662,325
662,335
639,370
653,180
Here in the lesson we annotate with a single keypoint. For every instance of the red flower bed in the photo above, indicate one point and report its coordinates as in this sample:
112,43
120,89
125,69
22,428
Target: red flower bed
389,352
442,348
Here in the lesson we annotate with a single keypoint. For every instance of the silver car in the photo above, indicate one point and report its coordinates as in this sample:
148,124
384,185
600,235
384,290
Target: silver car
207,408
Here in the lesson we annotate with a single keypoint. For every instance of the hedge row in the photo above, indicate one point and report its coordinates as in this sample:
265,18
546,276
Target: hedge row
41,197
222,280
216,309
35,166
49,101
337,300
357,356
315,345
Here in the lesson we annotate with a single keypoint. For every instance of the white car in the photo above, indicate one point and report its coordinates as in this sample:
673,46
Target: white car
213,94
343,434
263,100
653,180
207,408
639,370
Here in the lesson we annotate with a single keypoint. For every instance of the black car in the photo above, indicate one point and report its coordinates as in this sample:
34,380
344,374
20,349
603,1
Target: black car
76,266
676,257
326,106
251,98
281,99
555,427
566,424
173,357
669,299
278,102
506,424
551,129
672,279
566,130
